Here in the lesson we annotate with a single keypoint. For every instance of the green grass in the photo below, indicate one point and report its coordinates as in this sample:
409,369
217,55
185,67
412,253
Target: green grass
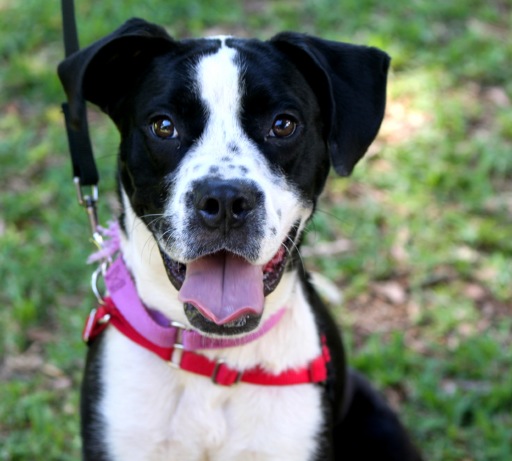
426,278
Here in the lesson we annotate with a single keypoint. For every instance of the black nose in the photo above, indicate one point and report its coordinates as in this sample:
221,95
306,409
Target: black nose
224,204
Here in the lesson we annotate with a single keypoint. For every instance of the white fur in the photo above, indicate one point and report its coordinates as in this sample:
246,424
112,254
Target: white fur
167,414
157,413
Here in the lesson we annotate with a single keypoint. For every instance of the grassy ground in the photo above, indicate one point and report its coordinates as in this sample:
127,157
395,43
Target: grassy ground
419,239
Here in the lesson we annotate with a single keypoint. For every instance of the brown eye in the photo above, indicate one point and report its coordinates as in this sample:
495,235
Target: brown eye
283,126
164,128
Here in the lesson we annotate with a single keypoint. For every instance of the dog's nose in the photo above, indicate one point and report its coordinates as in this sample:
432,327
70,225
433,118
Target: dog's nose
224,204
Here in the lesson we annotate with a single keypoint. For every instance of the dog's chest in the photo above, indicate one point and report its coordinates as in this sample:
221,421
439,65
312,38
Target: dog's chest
156,413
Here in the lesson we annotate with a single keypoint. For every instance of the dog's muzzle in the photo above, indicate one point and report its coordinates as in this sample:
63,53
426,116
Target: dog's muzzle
222,290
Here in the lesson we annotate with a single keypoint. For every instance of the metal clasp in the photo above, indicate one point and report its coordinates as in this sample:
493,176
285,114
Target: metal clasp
83,200
89,201
177,351
99,273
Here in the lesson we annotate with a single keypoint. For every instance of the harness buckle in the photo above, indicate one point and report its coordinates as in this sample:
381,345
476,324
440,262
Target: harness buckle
215,375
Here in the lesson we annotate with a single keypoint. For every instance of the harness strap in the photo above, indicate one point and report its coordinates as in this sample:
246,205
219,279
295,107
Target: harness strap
80,148
217,370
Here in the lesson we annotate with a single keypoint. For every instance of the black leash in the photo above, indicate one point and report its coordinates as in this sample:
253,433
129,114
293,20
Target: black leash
85,172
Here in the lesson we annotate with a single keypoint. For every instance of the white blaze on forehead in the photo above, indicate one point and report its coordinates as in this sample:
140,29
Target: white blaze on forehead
219,86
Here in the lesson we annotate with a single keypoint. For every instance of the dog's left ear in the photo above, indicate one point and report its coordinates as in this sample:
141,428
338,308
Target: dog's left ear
350,84
104,72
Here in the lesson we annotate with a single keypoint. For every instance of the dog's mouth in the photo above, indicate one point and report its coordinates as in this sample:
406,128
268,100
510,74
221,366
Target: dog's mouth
223,293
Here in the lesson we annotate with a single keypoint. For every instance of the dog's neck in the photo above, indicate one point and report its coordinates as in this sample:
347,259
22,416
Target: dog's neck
290,343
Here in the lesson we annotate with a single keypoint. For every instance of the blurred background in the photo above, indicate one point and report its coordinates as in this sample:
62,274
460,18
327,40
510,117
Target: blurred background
418,242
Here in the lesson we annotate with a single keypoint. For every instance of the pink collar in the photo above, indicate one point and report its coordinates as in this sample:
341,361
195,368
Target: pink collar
158,329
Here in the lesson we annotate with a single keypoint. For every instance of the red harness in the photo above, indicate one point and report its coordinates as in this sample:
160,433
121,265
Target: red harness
218,371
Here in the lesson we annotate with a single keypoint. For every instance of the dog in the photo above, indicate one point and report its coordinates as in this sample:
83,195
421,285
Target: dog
226,145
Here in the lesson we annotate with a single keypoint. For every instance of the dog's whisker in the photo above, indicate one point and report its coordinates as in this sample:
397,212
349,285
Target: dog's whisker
167,236
152,248
331,214
290,250
149,245
157,217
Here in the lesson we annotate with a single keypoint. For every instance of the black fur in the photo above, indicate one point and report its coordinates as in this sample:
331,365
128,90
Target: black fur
94,447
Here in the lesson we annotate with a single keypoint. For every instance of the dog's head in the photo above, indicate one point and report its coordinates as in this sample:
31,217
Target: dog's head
225,147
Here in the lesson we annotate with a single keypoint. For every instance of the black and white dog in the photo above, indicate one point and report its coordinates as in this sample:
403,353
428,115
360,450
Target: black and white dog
226,145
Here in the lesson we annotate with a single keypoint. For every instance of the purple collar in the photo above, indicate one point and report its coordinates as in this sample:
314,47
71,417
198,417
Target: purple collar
157,328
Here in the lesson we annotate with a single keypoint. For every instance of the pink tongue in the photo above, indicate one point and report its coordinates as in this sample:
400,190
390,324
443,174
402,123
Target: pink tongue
223,287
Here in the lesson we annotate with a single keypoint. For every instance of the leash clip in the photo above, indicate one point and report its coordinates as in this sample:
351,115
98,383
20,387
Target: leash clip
89,202
100,272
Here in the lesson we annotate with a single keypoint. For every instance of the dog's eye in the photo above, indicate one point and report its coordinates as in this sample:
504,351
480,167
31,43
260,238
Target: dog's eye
283,126
164,128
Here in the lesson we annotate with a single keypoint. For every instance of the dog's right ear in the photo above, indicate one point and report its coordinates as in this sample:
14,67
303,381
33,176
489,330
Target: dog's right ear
103,72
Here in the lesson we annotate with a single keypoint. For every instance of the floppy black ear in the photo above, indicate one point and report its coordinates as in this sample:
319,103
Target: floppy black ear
350,83
103,72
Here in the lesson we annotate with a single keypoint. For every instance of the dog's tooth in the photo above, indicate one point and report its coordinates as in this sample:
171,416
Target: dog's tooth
238,323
